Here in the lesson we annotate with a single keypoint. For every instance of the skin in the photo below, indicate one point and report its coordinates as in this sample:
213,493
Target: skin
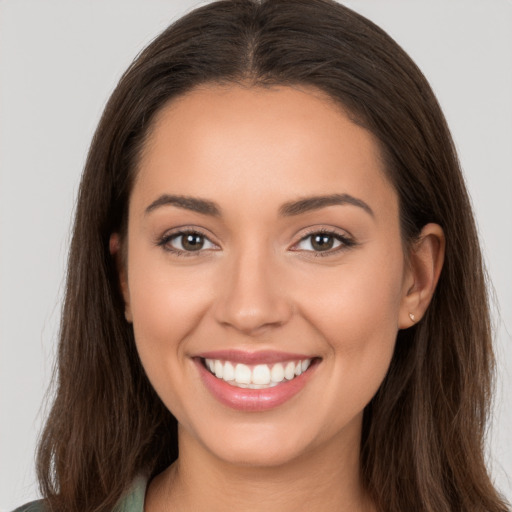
259,284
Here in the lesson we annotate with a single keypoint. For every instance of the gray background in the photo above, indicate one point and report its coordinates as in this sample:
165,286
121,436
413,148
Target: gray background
60,60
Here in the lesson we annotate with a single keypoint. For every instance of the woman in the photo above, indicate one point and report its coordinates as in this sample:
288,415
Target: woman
274,272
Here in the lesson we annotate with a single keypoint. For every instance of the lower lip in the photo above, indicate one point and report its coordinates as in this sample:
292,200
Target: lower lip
252,400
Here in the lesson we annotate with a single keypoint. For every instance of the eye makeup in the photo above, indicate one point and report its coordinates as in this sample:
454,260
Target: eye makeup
320,242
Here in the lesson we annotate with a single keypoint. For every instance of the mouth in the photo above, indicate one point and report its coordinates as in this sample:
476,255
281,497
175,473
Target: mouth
255,382
260,376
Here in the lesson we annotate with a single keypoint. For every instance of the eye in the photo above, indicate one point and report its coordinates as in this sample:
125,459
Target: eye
186,242
323,241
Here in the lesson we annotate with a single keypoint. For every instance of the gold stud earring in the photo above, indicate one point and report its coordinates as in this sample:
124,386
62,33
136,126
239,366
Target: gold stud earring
412,317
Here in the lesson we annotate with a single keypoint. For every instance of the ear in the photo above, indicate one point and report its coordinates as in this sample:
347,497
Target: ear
116,250
426,259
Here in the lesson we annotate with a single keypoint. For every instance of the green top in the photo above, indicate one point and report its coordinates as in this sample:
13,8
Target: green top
131,501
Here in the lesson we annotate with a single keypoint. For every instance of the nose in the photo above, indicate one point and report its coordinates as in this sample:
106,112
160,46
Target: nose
252,297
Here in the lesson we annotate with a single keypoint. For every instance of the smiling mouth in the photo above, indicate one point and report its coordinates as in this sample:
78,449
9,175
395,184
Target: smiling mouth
259,376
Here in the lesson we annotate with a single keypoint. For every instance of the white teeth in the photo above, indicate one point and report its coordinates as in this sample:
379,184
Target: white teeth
229,371
305,364
242,374
219,367
289,371
259,376
277,373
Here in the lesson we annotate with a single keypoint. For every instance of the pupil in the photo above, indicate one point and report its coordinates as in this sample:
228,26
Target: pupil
322,242
193,242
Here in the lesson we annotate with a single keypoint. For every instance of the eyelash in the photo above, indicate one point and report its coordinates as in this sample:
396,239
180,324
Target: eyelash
168,238
345,242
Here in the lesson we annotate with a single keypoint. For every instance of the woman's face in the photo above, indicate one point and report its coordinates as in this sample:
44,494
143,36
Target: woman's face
263,241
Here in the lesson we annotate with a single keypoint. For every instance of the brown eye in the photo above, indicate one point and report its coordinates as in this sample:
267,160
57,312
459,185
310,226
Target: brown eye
192,242
322,242
187,242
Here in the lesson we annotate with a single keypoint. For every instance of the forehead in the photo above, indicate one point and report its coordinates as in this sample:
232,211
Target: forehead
259,144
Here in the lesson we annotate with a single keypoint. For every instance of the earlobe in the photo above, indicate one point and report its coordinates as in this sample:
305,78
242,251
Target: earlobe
115,249
426,260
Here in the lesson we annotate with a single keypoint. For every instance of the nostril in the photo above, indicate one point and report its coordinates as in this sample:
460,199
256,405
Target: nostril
253,317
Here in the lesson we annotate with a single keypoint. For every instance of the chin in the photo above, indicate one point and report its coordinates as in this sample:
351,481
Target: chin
259,455
250,444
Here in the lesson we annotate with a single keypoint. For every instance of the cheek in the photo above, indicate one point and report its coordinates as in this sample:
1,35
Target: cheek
167,305
357,301
355,308
165,297
362,294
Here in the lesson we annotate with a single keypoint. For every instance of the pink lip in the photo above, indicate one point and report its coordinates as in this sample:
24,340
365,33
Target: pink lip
253,400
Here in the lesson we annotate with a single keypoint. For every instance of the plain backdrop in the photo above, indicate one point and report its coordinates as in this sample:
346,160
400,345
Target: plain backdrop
60,60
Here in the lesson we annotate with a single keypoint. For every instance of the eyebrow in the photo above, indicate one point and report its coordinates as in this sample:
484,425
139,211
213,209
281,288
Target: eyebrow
289,209
316,202
194,204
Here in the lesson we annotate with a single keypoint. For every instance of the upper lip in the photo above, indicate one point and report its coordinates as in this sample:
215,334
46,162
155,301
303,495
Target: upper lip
253,358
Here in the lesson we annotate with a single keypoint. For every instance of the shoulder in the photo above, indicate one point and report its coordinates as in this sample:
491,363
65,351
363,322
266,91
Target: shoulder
131,501
33,506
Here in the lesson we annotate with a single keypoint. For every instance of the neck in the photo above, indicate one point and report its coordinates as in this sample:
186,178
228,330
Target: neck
326,478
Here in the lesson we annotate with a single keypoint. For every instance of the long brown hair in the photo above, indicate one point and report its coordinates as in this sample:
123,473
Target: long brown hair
423,432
